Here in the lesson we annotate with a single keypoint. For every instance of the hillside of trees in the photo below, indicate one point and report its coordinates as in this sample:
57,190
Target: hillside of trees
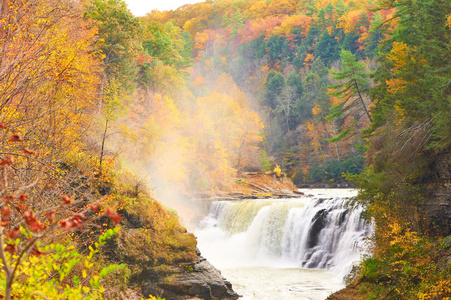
103,112
279,55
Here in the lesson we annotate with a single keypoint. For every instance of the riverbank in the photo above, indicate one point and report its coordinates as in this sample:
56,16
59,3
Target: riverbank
348,293
252,185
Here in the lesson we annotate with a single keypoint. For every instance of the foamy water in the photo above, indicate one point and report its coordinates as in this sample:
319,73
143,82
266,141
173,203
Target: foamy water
285,248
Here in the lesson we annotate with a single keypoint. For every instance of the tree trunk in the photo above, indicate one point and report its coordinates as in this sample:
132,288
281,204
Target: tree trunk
102,150
363,103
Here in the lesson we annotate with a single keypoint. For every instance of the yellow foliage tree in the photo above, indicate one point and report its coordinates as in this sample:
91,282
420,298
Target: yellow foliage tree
49,76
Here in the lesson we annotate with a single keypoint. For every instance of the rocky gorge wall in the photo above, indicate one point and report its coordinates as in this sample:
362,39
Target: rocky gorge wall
195,280
438,195
161,257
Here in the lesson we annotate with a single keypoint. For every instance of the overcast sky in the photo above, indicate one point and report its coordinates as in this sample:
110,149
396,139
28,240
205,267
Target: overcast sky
142,7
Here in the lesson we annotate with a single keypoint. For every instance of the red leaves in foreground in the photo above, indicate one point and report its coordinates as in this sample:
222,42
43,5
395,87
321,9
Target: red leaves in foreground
95,207
10,248
28,151
66,224
8,160
28,215
20,207
75,222
79,216
116,218
77,219
23,197
6,211
7,198
36,252
50,215
34,224
15,138
69,223
13,232
66,199
4,222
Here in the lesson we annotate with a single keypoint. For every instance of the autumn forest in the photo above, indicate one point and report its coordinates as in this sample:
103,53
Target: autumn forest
109,120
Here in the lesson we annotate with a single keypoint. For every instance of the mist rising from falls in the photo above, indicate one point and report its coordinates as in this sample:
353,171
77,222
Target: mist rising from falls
311,232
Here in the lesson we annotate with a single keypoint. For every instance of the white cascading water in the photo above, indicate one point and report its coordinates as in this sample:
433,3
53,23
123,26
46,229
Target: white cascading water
318,232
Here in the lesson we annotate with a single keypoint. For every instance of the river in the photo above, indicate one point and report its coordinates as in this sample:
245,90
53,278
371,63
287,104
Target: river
285,249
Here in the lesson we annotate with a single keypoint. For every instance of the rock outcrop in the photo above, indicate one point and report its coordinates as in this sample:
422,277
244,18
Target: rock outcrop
436,210
197,280
438,195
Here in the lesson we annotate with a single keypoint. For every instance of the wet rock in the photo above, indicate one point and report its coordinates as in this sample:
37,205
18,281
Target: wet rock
200,280
355,272
342,217
304,186
318,223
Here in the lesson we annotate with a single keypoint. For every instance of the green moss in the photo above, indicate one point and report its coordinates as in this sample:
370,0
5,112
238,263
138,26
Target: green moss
413,267
151,238
242,181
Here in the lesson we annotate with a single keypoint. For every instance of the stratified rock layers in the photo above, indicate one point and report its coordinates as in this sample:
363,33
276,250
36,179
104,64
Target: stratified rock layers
438,191
199,280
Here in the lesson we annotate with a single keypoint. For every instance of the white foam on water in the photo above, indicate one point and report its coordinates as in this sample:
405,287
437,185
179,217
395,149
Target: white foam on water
303,246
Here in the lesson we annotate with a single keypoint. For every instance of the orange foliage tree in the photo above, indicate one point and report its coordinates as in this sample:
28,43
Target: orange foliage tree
49,78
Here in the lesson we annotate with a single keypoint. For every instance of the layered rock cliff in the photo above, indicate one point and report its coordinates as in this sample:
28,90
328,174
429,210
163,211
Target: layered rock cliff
198,279
438,195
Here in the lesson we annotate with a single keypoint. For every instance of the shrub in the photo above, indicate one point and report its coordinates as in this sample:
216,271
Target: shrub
55,271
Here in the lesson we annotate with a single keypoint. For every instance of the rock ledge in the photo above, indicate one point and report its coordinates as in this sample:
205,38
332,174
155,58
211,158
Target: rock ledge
197,280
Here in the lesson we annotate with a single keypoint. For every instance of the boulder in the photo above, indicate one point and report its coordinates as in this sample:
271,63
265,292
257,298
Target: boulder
198,280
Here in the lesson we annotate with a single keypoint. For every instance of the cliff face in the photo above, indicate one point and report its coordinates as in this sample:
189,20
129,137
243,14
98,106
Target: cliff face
436,210
161,256
438,195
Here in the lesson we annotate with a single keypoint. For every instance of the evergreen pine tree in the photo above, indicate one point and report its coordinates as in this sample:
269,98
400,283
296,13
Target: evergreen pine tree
352,91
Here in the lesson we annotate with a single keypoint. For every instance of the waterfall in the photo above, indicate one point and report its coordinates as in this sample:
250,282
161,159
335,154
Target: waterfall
309,232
